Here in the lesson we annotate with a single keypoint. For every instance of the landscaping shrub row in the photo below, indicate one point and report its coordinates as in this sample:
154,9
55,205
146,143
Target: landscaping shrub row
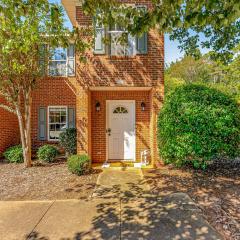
77,164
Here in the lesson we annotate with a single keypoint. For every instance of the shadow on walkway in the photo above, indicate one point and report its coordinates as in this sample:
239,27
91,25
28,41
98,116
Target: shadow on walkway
123,209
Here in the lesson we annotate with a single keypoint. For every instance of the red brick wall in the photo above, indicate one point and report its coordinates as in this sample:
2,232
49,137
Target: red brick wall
139,71
9,131
50,92
145,70
98,121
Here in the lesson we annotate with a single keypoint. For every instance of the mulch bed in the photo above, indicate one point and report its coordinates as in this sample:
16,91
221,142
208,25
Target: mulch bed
216,191
44,182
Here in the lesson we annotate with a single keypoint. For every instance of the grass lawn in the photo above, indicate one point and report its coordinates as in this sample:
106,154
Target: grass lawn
216,191
44,182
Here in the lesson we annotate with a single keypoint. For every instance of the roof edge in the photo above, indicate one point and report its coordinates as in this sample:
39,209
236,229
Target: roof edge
70,7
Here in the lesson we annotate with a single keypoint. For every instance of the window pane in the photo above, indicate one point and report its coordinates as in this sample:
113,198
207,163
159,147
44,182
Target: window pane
71,67
58,127
119,49
53,135
63,112
57,118
59,54
52,127
58,68
63,127
131,48
51,118
63,119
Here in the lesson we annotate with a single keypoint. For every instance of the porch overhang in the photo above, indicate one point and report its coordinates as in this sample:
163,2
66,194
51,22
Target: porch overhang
120,88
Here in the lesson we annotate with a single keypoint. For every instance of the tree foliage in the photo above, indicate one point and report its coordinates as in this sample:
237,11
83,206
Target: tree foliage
211,24
224,77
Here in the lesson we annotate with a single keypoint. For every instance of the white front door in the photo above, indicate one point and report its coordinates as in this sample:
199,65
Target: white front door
121,130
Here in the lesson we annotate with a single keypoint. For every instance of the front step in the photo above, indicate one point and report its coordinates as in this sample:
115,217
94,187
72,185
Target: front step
120,165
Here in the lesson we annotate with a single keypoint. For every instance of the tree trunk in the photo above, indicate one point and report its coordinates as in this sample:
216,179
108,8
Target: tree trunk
24,120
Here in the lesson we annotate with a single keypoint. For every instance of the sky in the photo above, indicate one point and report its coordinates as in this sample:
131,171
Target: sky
172,53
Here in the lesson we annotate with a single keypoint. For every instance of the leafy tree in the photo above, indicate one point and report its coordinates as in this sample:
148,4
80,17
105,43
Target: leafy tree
211,24
224,77
190,70
25,26
171,83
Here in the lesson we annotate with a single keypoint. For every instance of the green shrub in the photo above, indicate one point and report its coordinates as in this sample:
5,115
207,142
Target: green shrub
79,164
47,153
14,154
68,140
197,124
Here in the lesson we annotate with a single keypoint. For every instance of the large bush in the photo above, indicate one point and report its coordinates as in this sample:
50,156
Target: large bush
14,154
79,164
196,125
47,153
68,140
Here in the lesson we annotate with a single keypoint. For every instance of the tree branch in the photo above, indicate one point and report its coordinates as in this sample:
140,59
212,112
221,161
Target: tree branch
9,109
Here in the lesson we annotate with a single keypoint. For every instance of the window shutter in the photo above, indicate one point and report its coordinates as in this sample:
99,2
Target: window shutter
71,61
42,123
71,118
42,56
142,41
99,46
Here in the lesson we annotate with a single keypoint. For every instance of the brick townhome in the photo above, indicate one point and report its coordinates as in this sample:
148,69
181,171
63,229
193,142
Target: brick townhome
113,100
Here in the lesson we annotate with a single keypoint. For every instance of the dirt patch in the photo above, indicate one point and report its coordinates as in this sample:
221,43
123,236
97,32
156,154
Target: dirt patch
44,182
216,191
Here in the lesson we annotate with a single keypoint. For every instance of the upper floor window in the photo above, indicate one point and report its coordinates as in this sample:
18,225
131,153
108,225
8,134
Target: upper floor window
116,48
134,44
58,62
61,61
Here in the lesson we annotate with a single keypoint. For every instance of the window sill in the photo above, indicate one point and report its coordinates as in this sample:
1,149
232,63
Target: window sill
49,76
122,57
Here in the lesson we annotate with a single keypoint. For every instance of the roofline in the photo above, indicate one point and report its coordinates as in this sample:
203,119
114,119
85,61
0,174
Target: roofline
70,6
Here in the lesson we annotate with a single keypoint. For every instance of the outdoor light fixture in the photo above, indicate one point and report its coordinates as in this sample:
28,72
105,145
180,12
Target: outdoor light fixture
143,106
98,106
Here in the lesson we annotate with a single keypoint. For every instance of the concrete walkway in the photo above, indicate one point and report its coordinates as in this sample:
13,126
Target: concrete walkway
120,208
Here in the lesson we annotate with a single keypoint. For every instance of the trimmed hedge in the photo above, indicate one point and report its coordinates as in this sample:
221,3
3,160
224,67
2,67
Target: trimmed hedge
47,153
198,124
79,164
14,154
68,140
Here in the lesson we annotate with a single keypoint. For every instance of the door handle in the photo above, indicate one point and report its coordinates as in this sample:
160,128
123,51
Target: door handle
108,131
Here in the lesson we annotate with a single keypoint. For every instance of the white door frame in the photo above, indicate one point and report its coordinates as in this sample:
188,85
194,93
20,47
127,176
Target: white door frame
107,125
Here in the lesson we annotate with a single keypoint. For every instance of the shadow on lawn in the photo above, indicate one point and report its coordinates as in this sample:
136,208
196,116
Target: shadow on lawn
133,213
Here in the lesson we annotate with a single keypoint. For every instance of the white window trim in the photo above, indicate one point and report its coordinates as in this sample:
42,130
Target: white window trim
48,122
125,48
67,60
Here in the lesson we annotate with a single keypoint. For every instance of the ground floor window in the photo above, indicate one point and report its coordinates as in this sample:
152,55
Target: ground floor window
57,122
